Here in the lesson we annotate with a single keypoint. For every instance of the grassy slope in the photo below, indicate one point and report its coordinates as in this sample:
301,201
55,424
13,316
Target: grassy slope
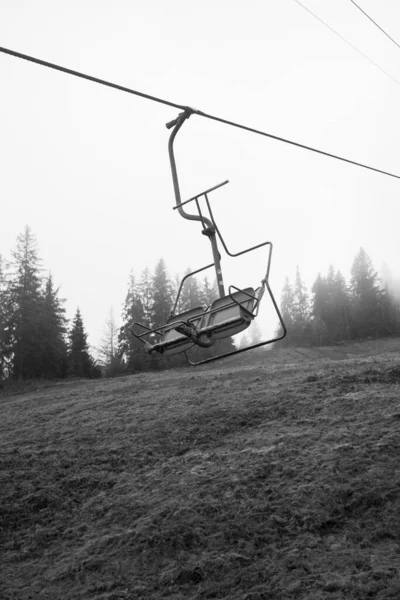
261,478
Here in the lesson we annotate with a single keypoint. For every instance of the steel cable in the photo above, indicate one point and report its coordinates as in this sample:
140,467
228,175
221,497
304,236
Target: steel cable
121,88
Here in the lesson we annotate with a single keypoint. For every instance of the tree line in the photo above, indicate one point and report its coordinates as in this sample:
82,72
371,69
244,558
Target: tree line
337,310
37,340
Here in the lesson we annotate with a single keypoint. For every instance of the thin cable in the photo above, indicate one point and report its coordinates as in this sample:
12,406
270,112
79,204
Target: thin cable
297,144
375,23
115,86
198,112
347,42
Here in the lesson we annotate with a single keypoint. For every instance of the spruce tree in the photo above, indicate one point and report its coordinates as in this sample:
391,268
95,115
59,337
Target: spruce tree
319,310
254,333
110,359
387,276
53,333
301,328
295,311
191,294
341,308
81,364
244,341
389,304
4,316
131,350
390,315
366,297
162,295
331,308
301,310
319,330
321,297
208,292
287,311
26,302
144,292
175,284
287,302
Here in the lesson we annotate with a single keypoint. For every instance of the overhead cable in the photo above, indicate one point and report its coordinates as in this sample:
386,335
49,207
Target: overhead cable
375,23
121,88
347,42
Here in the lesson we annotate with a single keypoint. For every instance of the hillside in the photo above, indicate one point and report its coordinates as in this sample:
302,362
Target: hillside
268,476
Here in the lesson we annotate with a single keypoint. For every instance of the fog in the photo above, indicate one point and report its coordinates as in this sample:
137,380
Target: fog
87,167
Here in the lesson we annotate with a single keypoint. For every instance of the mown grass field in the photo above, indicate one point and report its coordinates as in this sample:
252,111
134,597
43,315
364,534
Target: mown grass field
272,476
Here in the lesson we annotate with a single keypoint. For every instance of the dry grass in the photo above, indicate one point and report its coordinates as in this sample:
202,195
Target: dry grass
254,479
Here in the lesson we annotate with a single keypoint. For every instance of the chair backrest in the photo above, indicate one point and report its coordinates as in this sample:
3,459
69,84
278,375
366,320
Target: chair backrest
226,305
194,315
174,342
226,316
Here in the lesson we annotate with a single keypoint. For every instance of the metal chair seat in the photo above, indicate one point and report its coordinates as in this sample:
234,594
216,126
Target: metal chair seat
173,341
230,315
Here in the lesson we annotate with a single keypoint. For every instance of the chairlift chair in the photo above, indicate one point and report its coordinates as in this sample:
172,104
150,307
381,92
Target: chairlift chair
230,313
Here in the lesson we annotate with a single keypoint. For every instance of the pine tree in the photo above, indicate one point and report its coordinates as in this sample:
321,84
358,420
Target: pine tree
52,332
26,301
81,364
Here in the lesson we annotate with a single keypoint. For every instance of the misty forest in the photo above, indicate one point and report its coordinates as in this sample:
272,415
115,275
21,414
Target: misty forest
37,340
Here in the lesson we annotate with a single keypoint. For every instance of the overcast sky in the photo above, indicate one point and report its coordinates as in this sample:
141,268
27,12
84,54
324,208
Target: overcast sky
87,167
